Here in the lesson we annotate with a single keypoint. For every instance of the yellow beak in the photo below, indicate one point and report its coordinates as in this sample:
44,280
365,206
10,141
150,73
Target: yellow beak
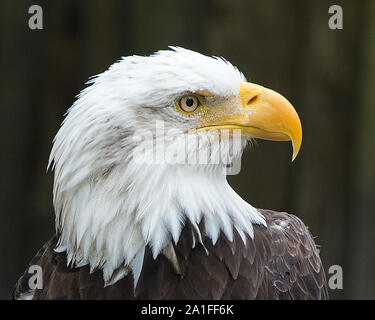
264,114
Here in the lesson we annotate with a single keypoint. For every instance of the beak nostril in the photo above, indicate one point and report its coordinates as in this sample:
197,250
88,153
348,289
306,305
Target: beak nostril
253,99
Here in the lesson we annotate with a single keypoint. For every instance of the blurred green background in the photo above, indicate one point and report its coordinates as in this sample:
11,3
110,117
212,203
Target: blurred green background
329,76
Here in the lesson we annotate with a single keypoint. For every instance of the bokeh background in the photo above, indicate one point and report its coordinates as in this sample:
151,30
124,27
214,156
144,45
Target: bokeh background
286,45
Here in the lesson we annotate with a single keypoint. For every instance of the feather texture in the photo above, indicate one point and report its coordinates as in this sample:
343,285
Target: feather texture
281,262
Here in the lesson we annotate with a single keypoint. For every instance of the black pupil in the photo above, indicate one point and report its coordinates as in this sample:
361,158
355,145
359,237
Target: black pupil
189,102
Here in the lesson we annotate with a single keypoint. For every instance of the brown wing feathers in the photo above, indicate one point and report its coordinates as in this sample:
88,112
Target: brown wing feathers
281,262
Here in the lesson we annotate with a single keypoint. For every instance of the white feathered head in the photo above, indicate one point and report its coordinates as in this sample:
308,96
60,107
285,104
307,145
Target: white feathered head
144,148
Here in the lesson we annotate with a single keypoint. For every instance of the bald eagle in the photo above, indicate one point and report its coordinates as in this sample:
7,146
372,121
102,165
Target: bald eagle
140,215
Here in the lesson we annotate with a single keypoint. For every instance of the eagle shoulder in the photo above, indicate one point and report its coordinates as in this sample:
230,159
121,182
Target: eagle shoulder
280,262
293,269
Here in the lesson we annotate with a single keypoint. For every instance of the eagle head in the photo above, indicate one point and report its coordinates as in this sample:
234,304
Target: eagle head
145,149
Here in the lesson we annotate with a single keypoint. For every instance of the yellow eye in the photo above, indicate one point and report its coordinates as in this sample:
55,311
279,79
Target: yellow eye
188,104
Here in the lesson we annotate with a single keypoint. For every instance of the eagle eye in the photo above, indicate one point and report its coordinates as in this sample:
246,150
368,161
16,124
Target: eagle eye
188,104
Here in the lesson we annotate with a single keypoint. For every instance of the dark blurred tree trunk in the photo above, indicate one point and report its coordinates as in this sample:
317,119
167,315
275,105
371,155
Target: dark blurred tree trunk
362,235
332,74
21,137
